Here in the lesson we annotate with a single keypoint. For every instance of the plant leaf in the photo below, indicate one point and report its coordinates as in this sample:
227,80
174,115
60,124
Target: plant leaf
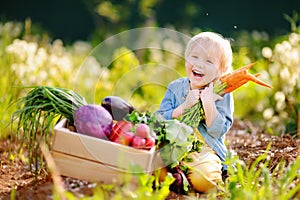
178,132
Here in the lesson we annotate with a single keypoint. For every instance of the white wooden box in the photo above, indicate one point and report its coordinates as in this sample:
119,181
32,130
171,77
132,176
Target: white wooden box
89,158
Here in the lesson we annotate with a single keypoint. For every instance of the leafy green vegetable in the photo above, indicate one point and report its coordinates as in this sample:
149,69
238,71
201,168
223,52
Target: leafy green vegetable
178,132
174,139
177,142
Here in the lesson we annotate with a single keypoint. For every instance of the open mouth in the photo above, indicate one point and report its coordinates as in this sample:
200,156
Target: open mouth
197,74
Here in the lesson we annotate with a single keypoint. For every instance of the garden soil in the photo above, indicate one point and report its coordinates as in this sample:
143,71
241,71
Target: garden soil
244,139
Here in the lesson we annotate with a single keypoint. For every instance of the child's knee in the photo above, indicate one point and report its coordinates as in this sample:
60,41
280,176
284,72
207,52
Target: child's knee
205,171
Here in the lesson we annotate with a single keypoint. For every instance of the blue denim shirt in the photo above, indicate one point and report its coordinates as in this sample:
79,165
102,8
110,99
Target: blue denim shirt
214,135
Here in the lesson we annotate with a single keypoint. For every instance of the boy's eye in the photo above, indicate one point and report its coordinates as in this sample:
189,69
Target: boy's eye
194,56
209,61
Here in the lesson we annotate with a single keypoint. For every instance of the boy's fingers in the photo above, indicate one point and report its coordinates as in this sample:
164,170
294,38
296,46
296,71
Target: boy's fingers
217,97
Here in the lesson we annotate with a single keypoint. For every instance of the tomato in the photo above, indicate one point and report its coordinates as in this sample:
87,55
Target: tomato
119,128
150,142
142,130
138,142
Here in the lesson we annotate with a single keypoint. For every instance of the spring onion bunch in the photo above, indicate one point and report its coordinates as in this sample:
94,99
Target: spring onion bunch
39,109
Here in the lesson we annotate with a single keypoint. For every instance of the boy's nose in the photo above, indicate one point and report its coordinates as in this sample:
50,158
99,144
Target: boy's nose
199,63
197,66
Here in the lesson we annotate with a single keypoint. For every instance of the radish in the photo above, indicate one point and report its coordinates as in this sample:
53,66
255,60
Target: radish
138,142
142,130
149,143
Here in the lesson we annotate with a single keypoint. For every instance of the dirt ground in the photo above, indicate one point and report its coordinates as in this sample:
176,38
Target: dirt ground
245,139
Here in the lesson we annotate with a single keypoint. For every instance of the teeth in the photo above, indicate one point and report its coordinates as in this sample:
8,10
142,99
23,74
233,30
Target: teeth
198,73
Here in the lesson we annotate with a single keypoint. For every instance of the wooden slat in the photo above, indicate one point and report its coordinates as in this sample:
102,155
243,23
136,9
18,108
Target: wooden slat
88,170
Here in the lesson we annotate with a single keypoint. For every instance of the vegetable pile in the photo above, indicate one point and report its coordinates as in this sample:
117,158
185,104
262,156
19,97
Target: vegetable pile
114,120
117,121
137,135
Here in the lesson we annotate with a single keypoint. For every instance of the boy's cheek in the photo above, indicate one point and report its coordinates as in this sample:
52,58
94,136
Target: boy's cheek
188,65
189,61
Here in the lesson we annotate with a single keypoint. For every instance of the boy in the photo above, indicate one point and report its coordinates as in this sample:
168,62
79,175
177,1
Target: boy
208,56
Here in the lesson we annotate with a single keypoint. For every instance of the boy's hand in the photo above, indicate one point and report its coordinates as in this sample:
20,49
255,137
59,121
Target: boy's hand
208,98
208,94
192,98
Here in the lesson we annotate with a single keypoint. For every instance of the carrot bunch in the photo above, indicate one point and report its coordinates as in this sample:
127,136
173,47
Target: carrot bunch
227,83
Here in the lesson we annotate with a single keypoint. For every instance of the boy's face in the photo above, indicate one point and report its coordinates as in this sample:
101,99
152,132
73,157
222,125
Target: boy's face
202,66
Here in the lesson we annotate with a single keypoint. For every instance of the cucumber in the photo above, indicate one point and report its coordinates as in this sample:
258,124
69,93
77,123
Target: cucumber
117,107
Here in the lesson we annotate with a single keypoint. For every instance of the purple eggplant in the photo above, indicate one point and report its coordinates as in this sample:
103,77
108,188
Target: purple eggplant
117,107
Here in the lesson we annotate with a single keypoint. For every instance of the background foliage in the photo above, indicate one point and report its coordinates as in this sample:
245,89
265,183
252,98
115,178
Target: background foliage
71,20
29,56
33,55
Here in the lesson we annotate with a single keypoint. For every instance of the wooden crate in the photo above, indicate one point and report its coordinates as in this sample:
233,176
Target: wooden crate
89,158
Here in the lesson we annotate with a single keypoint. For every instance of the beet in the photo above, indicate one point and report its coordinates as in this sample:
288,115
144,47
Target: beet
177,185
93,120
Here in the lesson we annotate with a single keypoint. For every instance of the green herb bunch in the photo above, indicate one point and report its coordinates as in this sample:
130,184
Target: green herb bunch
37,114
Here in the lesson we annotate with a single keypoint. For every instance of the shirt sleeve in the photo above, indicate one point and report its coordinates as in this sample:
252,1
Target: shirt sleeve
224,119
166,106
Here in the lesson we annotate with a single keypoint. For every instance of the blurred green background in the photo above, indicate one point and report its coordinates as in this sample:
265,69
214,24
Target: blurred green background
71,20
53,43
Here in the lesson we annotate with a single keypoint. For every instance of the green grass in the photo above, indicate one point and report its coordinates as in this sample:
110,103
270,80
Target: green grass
244,182
257,181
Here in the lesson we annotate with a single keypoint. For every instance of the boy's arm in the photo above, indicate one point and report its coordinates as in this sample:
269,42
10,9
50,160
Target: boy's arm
166,105
209,98
224,118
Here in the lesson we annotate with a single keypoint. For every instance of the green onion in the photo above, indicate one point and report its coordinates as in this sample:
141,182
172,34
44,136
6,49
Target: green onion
37,114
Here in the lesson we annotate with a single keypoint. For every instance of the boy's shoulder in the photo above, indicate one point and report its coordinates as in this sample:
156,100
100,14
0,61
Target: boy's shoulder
180,81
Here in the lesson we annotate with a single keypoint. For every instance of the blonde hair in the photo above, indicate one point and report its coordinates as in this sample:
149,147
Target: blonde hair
213,43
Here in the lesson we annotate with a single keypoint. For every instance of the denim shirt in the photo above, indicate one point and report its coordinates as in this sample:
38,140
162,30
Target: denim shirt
214,135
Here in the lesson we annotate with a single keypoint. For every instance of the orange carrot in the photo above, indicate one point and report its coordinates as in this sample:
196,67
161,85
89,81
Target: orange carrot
233,87
239,84
240,77
228,83
243,70
250,77
256,80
